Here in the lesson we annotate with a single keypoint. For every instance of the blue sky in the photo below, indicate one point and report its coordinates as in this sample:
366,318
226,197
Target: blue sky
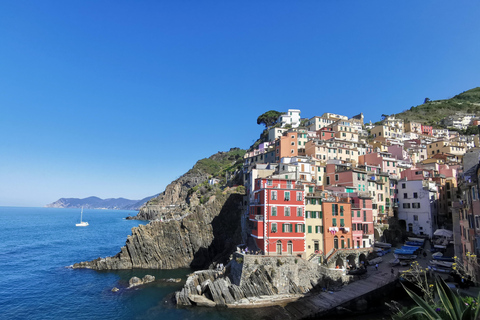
118,98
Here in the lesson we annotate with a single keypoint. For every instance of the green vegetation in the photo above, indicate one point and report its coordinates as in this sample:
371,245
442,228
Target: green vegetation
269,118
220,163
447,305
431,112
223,166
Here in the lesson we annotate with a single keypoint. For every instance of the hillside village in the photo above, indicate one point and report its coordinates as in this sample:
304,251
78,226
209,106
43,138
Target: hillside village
329,187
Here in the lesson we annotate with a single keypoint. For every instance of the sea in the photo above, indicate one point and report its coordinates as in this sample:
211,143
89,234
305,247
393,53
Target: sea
37,248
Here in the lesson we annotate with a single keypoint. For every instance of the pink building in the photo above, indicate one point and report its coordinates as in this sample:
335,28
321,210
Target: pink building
383,159
427,130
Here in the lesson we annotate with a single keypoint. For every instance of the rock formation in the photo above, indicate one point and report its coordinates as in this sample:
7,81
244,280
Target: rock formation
250,278
208,233
192,223
135,281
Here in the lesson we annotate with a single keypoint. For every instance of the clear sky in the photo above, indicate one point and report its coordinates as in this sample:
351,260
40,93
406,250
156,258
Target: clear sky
118,98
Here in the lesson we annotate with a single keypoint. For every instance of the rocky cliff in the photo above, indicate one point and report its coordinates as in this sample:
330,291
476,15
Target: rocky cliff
221,169
193,224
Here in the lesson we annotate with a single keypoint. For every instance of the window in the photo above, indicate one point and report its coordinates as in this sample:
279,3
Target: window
405,196
320,215
309,229
403,185
334,222
299,212
415,218
289,184
341,211
274,211
269,182
415,195
299,196
313,214
274,195
287,212
336,177
416,205
364,206
300,227
342,223
334,209
365,216
406,206
358,214
274,227
287,195
287,227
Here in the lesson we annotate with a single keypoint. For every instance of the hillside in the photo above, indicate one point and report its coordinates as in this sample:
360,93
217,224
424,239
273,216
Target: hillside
431,112
97,203
193,185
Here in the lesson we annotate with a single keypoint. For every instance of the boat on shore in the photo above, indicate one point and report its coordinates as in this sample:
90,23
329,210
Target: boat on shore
441,258
382,245
394,262
441,263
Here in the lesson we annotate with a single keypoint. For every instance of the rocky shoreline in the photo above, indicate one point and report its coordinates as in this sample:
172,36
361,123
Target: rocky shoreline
256,281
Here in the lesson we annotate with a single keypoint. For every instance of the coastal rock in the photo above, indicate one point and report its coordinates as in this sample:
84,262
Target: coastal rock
192,224
115,289
148,278
201,301
134,281
209,231
253,280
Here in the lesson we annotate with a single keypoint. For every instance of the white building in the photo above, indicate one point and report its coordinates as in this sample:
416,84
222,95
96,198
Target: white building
292,117
417,206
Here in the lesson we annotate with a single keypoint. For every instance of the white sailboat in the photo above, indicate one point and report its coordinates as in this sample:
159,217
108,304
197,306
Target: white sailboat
82,223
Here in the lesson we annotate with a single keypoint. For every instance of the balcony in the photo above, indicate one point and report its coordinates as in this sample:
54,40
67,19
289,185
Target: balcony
258,217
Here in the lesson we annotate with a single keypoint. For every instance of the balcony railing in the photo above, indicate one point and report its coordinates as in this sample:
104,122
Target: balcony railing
259,217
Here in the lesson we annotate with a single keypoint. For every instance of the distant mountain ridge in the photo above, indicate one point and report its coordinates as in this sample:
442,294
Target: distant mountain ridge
97,203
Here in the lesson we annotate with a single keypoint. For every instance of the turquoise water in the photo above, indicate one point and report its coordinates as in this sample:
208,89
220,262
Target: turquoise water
37,245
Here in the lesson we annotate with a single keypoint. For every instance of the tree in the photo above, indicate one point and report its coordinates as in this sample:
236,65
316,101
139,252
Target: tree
471,130
269,118
426,100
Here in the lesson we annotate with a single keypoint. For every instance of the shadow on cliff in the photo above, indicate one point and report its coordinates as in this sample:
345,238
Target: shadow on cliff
226,232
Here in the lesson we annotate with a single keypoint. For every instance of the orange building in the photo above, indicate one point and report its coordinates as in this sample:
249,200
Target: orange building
337,221
286,146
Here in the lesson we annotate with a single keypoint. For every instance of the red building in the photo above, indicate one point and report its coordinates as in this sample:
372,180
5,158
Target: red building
277,216
325,133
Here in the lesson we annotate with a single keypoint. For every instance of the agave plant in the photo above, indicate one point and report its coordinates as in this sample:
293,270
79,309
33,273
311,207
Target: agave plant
449,306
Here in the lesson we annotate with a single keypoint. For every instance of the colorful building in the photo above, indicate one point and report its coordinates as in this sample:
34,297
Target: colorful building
277,217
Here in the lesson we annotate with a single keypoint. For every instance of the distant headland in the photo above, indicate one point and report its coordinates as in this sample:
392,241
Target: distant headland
97,203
